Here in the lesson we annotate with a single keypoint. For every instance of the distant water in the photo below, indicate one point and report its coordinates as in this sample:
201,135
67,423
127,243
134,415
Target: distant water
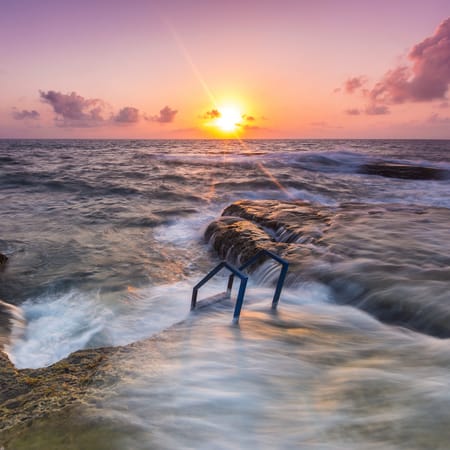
105,241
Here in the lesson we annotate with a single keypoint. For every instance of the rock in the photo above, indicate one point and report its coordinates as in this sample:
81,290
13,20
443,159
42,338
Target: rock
3,259
250,226
404,171
29,394
371,257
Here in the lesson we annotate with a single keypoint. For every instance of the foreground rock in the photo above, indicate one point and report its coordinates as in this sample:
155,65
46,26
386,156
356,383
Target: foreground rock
30,394
404,171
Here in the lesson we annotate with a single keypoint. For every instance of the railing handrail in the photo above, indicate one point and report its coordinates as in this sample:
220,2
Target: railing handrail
242,287
238,272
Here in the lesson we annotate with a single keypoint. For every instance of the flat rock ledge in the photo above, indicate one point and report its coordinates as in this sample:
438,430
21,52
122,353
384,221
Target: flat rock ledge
31,394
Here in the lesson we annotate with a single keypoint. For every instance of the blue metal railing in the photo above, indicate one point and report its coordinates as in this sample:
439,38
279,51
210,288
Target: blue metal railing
234,271
244,278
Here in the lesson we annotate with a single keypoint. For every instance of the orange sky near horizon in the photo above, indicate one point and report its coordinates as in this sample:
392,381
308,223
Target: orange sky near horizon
267,69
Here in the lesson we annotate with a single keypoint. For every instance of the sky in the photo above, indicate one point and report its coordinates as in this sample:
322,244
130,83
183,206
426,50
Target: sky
179,69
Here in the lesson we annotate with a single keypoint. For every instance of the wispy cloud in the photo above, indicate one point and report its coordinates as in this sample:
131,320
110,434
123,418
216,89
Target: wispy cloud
439,120
353,112
25,115
352,84
377,110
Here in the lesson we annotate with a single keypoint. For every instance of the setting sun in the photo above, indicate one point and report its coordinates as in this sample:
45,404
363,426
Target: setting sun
228,119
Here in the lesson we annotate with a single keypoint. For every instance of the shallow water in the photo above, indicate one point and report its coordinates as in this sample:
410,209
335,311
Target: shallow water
105,241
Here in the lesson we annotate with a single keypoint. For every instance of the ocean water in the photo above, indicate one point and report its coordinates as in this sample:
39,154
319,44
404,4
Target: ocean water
105,241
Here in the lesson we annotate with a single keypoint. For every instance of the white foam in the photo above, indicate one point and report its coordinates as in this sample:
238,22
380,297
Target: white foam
59,325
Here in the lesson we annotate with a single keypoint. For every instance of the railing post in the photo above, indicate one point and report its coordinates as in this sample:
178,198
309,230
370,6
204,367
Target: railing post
194,298
281,278
239,300
230,284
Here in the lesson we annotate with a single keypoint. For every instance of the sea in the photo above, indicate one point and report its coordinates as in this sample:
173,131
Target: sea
105,241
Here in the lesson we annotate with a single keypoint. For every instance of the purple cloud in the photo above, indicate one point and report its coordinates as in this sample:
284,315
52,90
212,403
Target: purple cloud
426,80
25,114
127,115
166,115
73,110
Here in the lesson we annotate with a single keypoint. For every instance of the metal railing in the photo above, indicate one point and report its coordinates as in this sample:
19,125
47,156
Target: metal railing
238,272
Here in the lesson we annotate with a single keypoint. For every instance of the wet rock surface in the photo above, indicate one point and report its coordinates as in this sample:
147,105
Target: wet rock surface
404,171
373,257
30,394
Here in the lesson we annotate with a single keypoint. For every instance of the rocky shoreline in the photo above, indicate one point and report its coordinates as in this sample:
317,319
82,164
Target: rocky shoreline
318,241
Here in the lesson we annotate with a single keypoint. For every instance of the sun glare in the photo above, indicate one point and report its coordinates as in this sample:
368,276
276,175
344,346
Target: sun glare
229,119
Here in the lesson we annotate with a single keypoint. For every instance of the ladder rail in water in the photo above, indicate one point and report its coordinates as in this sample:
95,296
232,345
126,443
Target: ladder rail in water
281,278
242,287
238,272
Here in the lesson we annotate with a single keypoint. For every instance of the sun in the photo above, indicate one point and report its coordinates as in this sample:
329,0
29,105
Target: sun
229,119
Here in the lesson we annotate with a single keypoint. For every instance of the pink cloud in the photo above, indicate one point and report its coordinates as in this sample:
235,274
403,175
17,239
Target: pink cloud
354,83
127,115
377,110
439,120
353,112
166,115
427,79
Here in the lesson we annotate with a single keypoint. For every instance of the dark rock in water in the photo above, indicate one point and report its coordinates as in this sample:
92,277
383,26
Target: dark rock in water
3,259
404,171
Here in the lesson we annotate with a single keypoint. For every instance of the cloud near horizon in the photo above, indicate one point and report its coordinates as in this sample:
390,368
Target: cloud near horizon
126,115
211,114
25,114
425,80
166,115
73,110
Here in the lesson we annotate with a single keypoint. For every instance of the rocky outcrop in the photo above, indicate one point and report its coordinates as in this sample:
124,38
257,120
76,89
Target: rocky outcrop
250,226
405,171
374,257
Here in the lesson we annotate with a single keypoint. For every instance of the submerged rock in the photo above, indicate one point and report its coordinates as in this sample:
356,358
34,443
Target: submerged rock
3,259
404,171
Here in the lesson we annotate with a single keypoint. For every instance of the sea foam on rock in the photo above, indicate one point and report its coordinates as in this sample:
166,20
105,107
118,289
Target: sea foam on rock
379,258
